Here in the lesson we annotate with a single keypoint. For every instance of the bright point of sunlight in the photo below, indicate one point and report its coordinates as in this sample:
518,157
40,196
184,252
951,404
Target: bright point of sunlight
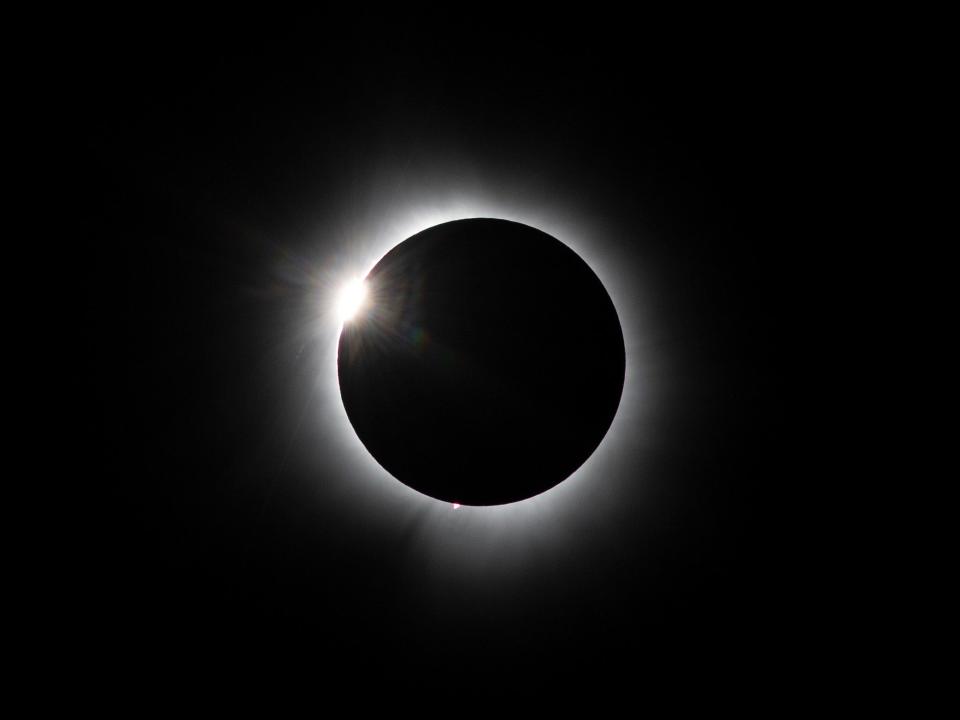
350,300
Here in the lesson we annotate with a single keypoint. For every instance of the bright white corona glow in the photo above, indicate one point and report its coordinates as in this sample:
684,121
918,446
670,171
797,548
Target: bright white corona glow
503,542
351,299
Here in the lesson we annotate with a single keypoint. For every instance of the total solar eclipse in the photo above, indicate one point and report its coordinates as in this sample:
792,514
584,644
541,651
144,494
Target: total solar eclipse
481,361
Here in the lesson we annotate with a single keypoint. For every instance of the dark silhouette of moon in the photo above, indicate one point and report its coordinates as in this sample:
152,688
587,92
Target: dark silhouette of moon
487,365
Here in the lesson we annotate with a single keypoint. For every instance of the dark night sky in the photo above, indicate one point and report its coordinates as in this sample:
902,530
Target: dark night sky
223,166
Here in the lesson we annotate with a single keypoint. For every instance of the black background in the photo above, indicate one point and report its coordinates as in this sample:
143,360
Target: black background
206,150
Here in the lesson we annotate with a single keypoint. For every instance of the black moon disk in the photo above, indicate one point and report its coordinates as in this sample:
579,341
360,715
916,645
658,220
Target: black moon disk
487,365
